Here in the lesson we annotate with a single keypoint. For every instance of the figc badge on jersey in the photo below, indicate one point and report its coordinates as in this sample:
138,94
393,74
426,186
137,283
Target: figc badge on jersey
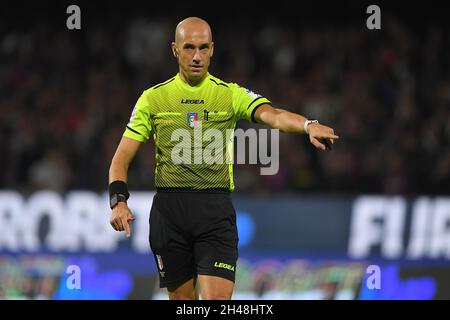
192,119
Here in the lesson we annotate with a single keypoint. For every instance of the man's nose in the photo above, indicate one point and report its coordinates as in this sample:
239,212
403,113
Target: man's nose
197,58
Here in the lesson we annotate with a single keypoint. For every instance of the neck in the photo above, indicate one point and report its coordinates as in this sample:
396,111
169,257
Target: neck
191,82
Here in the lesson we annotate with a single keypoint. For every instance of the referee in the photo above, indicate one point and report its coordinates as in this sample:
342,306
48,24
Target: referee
193,234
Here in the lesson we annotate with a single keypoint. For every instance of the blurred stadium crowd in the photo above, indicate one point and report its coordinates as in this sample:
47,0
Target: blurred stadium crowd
66,96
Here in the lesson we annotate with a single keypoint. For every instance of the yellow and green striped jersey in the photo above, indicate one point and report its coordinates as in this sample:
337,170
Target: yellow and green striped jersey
202,112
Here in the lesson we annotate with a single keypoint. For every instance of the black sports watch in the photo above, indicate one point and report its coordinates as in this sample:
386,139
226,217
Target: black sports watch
115,199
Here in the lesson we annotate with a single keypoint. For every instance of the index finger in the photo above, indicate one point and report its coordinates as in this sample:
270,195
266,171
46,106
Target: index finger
330,136
126,226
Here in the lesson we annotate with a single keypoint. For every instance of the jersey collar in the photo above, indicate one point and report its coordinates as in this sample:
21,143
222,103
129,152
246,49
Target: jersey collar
189,87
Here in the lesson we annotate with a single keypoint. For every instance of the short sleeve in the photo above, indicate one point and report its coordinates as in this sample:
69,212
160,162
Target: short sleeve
245,102
139,127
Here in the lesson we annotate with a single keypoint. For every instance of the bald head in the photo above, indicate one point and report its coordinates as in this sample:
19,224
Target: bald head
192,26
193,48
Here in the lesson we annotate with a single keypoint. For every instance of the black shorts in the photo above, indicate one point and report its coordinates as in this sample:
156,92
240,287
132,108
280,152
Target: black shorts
193,233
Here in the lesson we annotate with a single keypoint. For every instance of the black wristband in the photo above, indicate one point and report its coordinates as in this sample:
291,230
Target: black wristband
118,187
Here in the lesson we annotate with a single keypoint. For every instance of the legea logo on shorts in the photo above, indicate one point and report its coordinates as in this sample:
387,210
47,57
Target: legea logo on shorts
223,265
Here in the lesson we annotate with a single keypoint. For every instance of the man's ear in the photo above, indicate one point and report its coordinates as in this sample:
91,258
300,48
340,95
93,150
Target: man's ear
212,48
174,50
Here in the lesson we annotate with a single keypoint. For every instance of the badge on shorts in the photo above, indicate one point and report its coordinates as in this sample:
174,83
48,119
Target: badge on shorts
192,119
160,262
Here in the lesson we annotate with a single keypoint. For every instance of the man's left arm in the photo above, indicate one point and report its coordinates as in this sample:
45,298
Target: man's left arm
290,122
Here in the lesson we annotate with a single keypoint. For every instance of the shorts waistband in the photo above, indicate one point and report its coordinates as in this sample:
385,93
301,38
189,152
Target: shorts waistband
210,190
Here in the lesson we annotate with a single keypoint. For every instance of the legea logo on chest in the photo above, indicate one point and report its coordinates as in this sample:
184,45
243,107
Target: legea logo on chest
191,101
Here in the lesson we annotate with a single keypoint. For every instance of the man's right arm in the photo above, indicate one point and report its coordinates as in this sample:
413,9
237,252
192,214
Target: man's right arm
124,155
118,171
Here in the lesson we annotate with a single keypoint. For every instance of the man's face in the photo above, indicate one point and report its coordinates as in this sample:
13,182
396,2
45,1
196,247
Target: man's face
194,49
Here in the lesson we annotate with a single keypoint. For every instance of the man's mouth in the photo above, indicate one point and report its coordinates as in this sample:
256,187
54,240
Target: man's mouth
196,67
